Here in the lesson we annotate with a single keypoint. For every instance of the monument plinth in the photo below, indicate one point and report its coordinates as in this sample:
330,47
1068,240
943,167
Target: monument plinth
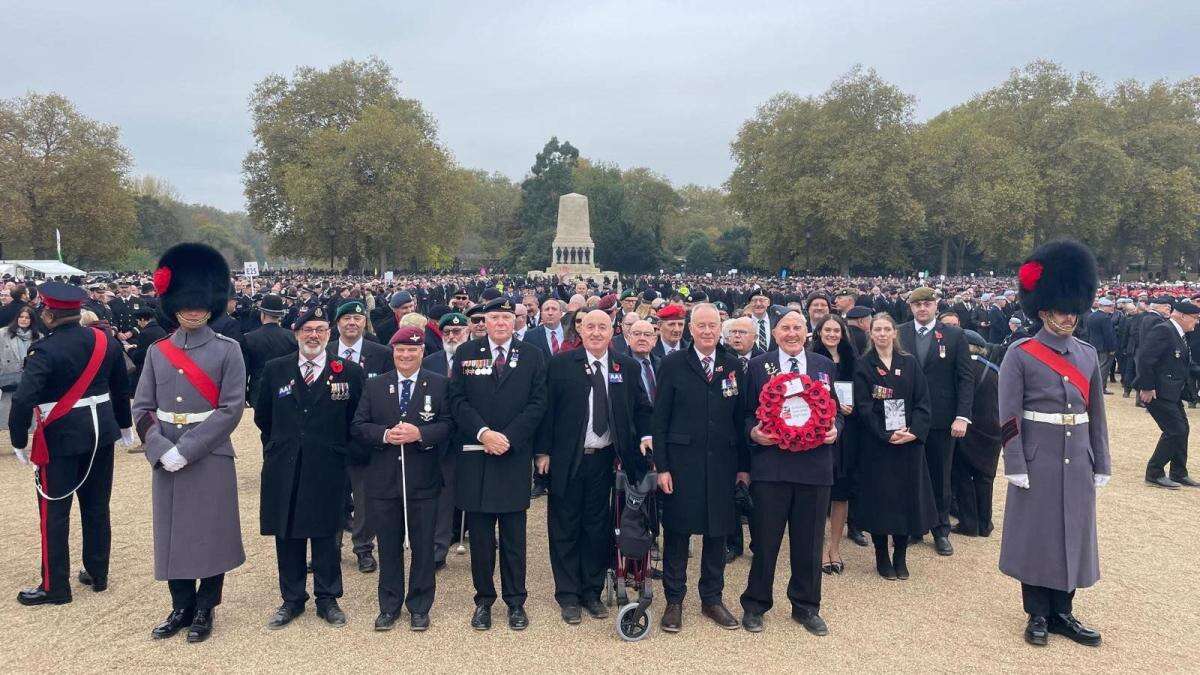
573,253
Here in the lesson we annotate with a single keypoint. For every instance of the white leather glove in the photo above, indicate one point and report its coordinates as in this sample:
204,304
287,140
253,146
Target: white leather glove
22,455
1021,480
1100,479
127,437
173,461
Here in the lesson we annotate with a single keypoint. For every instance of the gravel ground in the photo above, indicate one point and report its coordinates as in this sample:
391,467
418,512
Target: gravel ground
955,613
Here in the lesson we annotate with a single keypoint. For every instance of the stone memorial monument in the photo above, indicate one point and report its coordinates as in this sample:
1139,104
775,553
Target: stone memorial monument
573,254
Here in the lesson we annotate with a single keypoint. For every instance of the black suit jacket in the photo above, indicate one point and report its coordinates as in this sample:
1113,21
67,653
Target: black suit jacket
564,425
379,410
1162,362
269,341
769,462
436,363
948,372
538,337
512,404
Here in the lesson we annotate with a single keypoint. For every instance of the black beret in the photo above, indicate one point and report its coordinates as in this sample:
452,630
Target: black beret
500,305
315,313
1187,307
858,312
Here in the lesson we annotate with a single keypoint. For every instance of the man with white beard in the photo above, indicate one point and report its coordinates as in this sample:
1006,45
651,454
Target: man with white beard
455,332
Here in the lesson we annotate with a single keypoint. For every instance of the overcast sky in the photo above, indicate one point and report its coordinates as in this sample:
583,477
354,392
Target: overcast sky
662,85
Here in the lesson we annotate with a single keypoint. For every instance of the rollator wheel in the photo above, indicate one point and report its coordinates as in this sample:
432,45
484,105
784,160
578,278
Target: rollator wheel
633,624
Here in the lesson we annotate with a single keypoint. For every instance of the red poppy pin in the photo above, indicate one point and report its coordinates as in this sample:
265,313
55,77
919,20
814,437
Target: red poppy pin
937,334
881,372
335,367
616,367
720,369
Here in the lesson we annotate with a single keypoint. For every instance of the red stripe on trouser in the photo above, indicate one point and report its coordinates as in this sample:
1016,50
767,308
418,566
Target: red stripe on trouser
43,503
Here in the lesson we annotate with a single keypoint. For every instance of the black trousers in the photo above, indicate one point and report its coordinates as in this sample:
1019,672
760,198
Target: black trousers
388,517
482,530
939,457
973,494
445,524
712,568
56,479
1128,373
802,510
292,555
362,534
580,527
1042,601
1172,445
186,595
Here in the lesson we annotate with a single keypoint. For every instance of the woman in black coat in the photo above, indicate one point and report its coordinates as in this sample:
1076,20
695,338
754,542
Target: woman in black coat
831,338
895,496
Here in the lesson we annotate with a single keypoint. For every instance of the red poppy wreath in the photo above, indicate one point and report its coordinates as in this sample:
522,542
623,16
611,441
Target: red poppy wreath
798,418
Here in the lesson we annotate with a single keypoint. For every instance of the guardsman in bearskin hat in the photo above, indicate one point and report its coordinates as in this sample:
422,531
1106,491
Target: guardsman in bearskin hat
189,400
1055,439
75,386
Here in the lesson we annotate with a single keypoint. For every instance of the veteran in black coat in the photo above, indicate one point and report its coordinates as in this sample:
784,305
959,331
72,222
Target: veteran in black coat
1163,364
945,360
593,416
305,435
268,341
699,450
498,397
383,414
790,489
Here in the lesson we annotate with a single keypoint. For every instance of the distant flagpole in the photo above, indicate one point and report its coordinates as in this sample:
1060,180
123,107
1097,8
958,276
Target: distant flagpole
58,243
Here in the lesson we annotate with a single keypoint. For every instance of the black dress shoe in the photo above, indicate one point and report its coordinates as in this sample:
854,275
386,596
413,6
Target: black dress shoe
283,616
418,622
87,580
517,618
36,596
655,573
572,614
672,619
942,544
812,623
333,615
1069,627
385,621
753,623
720,615
482,618
366,563
595,609
962,531
176,621
885,569
856,535
730,556
1036,633
1186,481
439,565
202,625
537,491
1163,482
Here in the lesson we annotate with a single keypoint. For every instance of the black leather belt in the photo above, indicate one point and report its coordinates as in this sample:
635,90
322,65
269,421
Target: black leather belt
593,451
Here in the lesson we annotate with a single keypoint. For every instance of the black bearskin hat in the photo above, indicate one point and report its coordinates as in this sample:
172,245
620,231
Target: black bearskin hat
1058,275
192,276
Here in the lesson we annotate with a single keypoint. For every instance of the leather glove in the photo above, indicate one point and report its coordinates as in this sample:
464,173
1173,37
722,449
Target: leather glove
1021,480
172,461
1100,479
22,455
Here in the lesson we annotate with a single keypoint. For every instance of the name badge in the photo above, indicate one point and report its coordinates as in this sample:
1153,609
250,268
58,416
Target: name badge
614,378
284,390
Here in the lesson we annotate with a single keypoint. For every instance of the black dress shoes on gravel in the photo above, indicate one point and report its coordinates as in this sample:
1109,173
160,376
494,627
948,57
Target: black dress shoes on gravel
283,616
672,619
1163,482
1036,631
87,580
517,618
942,545
1069,627
812,622
572,615
595,609
720,615
482,618
331,613
202,625
385,621
367,563
1187,481
176,621
36,596
753,623
418,622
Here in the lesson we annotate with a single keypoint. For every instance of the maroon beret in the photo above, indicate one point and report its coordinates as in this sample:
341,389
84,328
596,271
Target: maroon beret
608,302
408,335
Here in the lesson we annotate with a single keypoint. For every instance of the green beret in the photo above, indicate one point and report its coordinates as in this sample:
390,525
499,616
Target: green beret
629,294
452,319
922,294
352,307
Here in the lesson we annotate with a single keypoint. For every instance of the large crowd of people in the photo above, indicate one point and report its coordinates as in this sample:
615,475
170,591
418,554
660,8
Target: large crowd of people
402,412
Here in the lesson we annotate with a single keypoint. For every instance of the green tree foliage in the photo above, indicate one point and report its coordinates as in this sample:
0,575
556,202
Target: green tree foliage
345,168
627,210
495,201
61,171
532,233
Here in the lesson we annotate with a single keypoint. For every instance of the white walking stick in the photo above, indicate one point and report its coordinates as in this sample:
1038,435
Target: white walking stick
404,495
462,535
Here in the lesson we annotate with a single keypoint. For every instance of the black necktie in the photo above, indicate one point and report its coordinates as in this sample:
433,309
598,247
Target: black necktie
599,401
498,365
649,370
795,365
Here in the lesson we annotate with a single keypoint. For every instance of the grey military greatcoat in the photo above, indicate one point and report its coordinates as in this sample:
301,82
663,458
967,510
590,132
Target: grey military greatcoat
1050,528
197,532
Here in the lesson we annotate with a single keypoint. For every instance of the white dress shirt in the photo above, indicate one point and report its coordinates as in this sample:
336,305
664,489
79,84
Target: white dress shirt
319,360
507,359
590,439
357,347
785,362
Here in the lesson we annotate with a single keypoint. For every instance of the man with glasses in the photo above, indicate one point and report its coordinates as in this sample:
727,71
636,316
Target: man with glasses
454,334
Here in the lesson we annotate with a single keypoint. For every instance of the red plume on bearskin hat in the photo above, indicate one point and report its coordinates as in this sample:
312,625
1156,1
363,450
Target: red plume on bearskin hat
1058,275
192,276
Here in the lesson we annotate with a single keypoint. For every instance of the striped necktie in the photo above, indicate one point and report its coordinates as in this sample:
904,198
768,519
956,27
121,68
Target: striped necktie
310,372
762,334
